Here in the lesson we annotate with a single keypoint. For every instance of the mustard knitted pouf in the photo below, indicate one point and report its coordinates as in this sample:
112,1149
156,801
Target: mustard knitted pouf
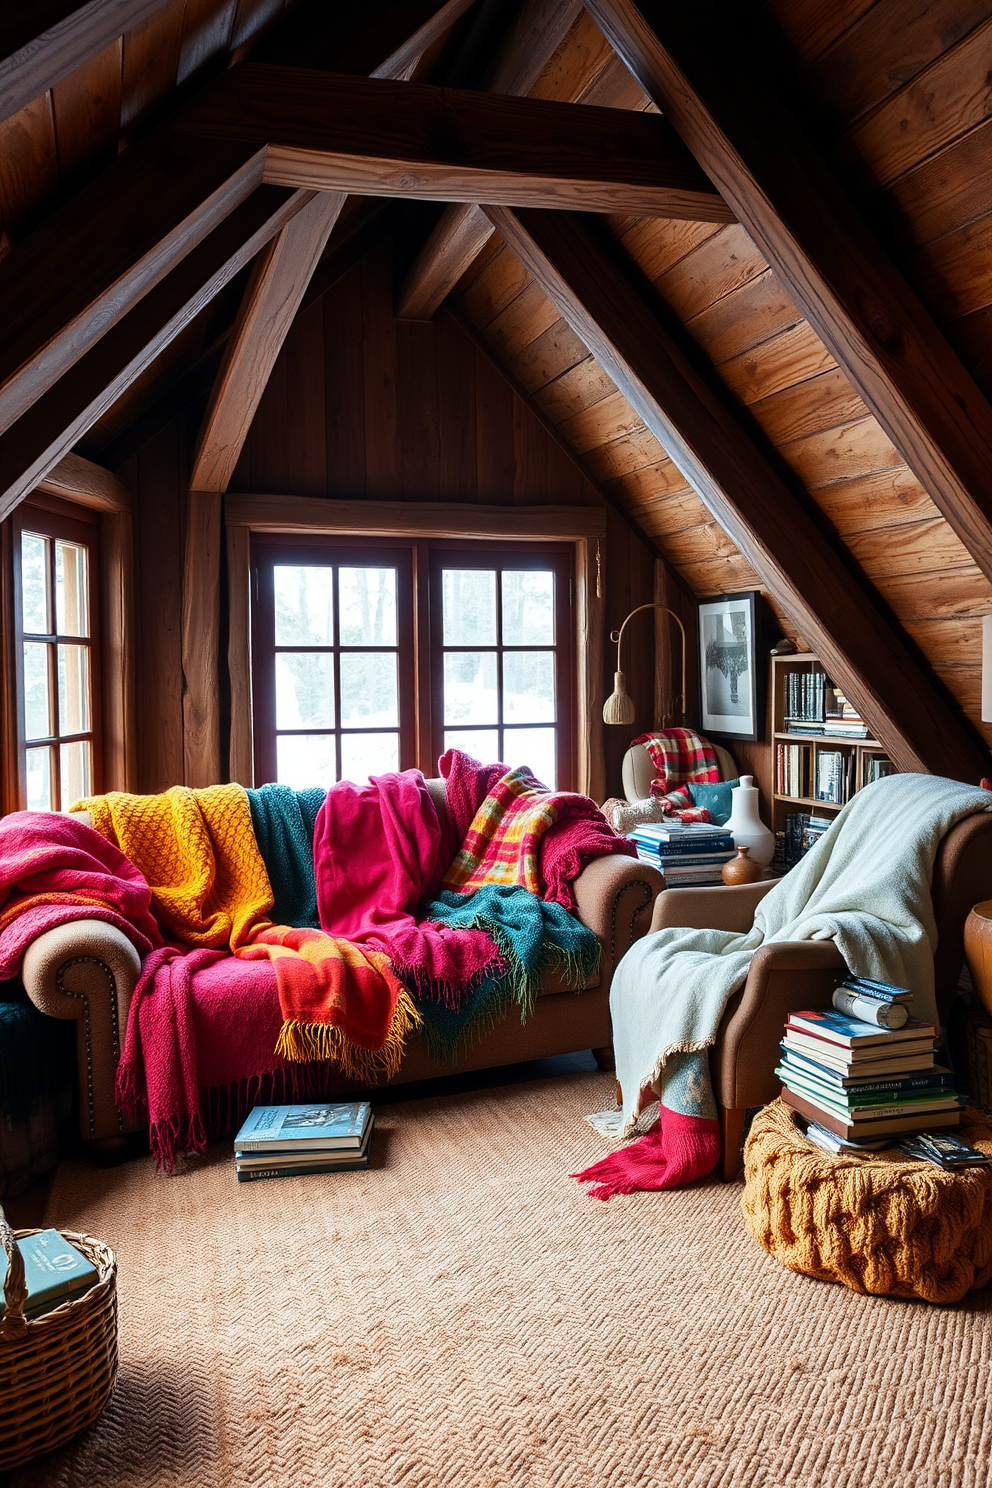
882,1224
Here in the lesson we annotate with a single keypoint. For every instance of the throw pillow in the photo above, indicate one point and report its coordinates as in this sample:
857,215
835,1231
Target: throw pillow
715,797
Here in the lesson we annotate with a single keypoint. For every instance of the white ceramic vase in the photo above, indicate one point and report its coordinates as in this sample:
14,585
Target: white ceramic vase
746,825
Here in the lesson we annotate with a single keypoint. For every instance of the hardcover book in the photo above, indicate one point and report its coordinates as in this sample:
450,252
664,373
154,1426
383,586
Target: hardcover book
857,1111
53,1271
878,1126
875,1060
316,1125
851,1033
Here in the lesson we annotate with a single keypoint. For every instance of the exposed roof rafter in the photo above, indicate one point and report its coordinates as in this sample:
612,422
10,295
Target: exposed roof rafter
42,42
700,66
767,521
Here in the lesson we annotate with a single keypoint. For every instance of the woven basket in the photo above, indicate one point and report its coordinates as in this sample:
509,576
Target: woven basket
57,1371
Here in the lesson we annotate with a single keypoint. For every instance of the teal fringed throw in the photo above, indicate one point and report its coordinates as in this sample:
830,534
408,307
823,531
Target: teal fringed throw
532,935
283,820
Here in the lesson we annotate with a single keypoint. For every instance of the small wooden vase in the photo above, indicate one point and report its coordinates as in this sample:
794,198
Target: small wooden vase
742,869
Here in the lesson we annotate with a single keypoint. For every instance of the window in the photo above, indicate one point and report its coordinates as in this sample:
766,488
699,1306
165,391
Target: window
334,697
501,658
379,658
54,672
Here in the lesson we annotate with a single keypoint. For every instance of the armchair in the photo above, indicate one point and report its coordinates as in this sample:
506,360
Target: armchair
788,976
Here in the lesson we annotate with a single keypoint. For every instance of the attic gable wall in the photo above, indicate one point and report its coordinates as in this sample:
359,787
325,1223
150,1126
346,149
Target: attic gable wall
798,402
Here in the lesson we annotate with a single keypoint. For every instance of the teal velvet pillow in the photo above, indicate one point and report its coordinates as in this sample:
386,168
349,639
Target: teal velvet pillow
715,797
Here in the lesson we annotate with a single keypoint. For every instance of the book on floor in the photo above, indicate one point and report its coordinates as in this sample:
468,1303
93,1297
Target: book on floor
877,1126
54,1270
320,1125
251,1165
852,1033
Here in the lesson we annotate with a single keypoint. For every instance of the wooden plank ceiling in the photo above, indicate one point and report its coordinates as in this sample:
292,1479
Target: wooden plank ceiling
895,95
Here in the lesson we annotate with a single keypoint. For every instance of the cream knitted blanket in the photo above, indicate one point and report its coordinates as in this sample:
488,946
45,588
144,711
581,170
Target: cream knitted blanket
865,885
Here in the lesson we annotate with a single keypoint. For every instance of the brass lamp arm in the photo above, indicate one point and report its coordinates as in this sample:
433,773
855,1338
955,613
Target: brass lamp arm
617,637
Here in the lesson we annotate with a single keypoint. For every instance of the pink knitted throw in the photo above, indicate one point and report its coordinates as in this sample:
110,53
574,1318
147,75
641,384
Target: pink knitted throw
379,851
54,869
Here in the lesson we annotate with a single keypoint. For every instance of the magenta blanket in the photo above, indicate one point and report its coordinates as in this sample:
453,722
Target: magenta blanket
199,1050
580,834
379,850
56,868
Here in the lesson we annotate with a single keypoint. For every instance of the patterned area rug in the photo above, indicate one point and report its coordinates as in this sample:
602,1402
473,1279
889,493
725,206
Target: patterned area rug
462,1314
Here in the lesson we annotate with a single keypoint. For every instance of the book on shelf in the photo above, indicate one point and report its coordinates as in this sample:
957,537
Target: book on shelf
331,1126
851,1033
894,1126
54,1271
878,769
249,1166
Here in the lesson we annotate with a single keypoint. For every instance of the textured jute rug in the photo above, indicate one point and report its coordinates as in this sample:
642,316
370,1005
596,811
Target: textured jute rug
463,1314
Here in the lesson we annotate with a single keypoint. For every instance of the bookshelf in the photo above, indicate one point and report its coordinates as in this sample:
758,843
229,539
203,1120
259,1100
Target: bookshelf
856,754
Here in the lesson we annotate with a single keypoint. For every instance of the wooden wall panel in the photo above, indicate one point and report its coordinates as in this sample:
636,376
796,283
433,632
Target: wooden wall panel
363,406
158,479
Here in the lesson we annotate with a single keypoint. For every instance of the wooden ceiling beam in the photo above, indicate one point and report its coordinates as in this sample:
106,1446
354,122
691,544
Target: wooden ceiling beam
833,608
282,274
62,415
464,229
42,42
701,67
87,484
333,132
67,283
268,309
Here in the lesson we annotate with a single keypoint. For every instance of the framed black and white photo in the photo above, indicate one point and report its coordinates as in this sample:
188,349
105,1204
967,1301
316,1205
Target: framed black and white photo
732,692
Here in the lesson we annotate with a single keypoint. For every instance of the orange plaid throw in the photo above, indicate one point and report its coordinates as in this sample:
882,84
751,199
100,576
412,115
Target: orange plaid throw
502,845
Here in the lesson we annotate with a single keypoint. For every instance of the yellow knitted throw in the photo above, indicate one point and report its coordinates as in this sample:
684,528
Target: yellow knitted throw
884,1224
197,850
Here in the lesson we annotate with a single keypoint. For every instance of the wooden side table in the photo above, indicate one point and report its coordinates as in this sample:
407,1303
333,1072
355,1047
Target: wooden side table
978,950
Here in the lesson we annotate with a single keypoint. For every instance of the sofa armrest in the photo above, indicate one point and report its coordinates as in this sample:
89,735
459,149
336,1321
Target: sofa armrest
721,907
784,977
86,970
613,896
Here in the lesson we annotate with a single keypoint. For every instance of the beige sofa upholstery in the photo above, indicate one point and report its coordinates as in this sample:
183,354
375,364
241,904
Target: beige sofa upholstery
87,970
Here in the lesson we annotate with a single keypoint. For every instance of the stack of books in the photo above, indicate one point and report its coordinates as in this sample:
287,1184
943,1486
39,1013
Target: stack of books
878,768
863,1074
841,719
689,854
802,832
794,770
287,1141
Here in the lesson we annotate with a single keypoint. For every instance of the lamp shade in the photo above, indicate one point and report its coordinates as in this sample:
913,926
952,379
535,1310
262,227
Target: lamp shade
619,706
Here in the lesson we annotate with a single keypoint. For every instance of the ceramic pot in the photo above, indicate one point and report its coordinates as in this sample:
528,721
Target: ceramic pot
741,870
978,950
746,826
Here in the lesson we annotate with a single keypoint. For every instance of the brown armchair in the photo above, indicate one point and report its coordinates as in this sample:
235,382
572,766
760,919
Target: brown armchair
789,976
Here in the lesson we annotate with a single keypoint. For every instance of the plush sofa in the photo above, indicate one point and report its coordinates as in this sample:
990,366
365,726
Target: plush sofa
87,970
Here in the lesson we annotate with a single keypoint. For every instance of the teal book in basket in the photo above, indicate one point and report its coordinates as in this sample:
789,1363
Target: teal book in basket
53,1271
315,1126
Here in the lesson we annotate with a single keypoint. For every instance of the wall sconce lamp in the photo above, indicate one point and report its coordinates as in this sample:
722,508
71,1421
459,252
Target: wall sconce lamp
619,706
